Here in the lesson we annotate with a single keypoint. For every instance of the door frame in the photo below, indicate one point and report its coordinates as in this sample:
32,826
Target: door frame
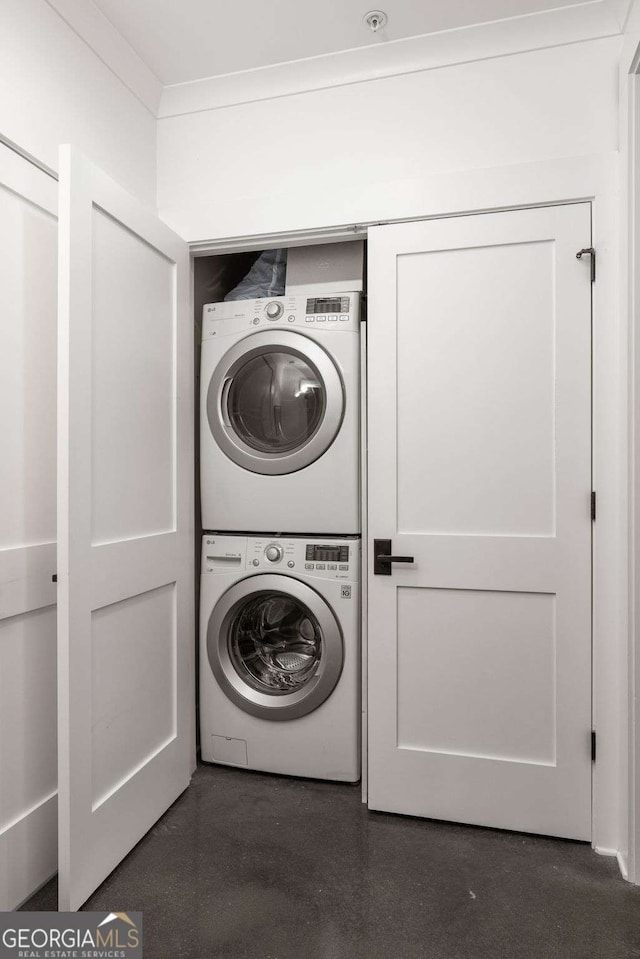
629,124
544,183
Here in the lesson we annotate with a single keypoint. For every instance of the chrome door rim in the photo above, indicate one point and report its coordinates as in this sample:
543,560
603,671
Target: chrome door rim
306,349
283,706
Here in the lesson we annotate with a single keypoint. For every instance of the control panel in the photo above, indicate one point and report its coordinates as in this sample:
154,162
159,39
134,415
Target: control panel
339,312
323,558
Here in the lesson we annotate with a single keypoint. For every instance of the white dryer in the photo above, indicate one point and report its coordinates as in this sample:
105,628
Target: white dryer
279,415
279,655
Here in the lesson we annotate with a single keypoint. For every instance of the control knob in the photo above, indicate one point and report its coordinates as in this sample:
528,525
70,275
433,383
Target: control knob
274,553
274,310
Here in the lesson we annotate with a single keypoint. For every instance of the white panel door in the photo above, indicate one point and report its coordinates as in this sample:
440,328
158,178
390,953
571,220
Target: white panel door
479,663
28,260
125,524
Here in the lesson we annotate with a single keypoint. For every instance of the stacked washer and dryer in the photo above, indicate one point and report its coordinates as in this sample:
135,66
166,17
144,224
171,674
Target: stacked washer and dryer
280,585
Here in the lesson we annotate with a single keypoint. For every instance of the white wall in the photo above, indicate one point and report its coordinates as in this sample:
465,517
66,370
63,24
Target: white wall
365,151
54,89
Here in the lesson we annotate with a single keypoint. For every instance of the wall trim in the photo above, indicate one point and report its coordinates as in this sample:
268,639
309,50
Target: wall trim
91,25
583,21
621,10
26,178
588,20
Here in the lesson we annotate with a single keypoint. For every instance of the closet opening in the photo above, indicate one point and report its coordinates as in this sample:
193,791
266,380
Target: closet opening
284,294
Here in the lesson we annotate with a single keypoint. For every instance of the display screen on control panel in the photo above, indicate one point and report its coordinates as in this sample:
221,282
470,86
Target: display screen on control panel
327,554
328,304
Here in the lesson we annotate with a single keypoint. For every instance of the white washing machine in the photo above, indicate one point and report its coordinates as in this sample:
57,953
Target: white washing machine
279,415
280,655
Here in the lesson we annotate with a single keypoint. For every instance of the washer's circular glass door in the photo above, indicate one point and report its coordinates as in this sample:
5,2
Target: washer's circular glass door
275,402
275,647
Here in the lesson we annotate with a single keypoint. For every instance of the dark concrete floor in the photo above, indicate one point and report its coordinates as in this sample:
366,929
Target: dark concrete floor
263,867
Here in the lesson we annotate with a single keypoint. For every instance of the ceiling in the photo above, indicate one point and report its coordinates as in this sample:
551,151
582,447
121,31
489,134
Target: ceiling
193,39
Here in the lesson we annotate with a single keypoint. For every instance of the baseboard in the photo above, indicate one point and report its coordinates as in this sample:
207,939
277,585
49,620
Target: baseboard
605,851
28,853
619,856
623,865
35,891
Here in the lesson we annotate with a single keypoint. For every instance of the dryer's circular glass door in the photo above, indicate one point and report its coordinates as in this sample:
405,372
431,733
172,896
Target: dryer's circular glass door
275,647
275,402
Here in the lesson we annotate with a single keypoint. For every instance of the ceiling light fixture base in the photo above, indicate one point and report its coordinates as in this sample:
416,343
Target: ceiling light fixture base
376,20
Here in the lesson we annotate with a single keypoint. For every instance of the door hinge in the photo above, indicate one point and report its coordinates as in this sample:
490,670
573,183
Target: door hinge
590,250
593,745
593,506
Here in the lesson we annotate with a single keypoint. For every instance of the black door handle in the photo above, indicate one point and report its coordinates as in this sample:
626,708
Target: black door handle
394,559
382,558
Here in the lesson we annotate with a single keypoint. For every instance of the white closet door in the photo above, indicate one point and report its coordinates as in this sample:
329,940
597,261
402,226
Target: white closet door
28,259
480,469
125,524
